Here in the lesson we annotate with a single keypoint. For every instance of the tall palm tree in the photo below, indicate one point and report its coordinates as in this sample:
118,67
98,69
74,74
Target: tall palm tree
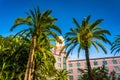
40,28
84,36
116,45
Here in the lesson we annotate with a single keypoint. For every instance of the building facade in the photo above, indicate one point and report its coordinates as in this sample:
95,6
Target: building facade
111,63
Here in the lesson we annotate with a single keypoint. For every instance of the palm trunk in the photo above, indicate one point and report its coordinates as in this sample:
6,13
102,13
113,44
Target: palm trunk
30,63
33,68
88,64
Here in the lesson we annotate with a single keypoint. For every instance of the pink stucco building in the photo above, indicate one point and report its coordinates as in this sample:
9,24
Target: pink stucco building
111,63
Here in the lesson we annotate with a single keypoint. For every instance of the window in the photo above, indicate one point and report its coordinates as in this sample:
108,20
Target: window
70,70
64,59
78,71
70,77
59,65
95,63
64,66
79,77
116,68
70,65
78,64
108,75
104,62
114,61
59,59
118,75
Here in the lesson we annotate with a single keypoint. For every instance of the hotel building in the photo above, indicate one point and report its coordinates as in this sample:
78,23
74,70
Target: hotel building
111,63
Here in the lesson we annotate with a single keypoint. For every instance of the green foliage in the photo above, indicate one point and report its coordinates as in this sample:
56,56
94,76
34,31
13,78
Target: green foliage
61,75
99,73
13,62
14,55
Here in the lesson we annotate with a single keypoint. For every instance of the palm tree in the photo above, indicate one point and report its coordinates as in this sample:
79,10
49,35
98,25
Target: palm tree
84,36
116,45
62,75
40,28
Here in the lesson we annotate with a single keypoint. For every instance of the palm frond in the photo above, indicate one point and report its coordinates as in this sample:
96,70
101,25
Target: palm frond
88,18
102,32
79,48
102,47
95,45
95,23
55,28
84,23
46,13
14,26
71,48
62,49
115,47
32,14
75,22
117,51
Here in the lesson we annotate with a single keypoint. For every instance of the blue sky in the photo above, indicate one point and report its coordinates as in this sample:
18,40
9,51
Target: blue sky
65,10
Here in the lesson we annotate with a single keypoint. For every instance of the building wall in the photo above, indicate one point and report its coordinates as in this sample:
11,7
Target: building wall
110,65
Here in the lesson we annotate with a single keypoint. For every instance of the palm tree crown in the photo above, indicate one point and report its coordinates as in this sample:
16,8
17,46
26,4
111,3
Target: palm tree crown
84,36
39,23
